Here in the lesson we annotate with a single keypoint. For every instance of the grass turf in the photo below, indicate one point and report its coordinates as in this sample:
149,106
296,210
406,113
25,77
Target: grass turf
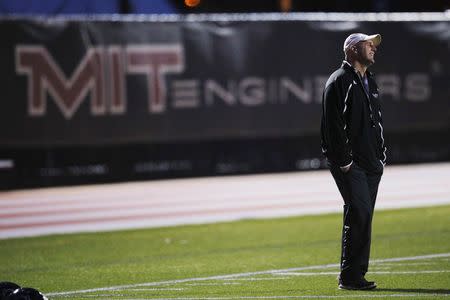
93,260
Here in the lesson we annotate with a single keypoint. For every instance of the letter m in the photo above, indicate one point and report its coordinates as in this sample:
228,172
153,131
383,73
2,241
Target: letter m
44,75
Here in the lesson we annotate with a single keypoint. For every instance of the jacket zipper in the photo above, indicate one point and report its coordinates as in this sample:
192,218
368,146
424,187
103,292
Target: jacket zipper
372,121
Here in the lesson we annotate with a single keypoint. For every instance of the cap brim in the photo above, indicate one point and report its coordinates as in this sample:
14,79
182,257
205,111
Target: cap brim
375,38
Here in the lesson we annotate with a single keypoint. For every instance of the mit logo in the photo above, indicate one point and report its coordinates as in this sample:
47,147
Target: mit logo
102,73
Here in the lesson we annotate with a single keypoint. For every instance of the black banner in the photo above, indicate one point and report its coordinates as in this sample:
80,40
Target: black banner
91,82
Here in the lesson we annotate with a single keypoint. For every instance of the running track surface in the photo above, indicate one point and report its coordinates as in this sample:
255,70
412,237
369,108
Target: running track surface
205,200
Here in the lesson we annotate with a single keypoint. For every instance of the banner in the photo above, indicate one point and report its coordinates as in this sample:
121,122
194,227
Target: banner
96,82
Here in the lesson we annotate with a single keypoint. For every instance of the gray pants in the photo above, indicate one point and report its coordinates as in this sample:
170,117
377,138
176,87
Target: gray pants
359,190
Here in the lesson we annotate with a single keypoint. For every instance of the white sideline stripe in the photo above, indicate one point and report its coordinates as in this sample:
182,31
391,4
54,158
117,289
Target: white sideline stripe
213,284
256,279
372,272
296,297
407,264
156,289
222,277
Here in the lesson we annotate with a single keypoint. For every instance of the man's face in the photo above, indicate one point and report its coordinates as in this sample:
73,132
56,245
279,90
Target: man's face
366,52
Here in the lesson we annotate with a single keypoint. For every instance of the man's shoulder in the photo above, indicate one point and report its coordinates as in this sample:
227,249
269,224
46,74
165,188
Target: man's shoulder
340,75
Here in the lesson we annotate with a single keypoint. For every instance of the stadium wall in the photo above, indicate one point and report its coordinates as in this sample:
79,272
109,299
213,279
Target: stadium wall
109,98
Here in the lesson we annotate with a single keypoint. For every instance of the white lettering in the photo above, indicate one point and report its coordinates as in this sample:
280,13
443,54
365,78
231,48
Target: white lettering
303,94
417,87
213,88
185,93
251,91
389,85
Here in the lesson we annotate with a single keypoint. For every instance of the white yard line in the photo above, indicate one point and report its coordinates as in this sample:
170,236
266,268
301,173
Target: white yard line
212,284
237,275
407,264
372,273
415,295
156,289
255,279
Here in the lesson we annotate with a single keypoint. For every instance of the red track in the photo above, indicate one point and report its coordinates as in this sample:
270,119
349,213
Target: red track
205,200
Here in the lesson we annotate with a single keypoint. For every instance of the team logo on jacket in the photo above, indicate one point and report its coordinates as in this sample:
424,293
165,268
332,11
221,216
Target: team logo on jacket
375,95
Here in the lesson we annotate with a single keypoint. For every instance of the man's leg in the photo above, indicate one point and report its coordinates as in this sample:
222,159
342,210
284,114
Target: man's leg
373,181
358,208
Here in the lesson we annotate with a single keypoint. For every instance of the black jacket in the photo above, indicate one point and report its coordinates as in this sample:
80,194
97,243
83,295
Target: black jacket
351,128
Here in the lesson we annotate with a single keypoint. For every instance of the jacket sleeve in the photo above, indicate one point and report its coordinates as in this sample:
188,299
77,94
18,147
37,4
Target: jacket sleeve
335,110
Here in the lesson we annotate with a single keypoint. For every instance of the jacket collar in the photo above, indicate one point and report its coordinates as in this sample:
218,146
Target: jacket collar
347,66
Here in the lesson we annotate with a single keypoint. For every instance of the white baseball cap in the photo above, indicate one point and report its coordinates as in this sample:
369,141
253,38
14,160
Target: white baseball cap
355,38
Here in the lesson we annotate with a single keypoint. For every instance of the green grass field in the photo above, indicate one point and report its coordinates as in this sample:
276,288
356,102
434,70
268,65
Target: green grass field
146,264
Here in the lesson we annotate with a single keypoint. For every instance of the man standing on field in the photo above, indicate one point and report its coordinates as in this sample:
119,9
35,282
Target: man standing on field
353,142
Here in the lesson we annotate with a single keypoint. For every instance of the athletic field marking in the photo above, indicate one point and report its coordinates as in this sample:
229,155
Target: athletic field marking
254,279
208,284
248,274
372,272
396,265
156,289
406,264
296,297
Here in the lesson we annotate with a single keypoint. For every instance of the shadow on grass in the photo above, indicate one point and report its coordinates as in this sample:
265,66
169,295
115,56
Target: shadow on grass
419,291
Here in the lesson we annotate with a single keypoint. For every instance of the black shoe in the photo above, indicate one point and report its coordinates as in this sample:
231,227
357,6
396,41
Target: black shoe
362,284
